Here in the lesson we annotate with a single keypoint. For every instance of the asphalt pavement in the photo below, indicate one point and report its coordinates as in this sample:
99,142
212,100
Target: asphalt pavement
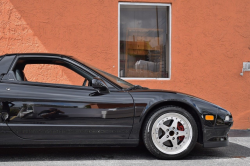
237,153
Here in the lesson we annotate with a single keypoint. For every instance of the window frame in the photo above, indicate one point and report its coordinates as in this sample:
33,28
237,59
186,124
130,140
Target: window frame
66,62
42,83
170,24
5,78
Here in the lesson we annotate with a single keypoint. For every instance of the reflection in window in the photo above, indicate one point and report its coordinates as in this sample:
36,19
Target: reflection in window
144,41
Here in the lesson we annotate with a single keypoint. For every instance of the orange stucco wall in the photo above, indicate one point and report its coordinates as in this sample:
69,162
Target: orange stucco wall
210,40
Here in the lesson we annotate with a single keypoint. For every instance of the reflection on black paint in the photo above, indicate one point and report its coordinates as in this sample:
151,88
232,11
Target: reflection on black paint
25,112
6,108
57,120
55,112
52,113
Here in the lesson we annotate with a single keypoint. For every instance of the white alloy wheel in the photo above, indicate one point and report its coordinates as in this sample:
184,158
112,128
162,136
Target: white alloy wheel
172,133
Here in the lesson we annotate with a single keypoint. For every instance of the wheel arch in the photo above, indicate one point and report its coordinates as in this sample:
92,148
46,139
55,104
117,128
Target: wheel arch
193,111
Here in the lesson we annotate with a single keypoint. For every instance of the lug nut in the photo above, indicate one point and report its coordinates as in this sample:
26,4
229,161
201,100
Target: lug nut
176,133
167,136
173,138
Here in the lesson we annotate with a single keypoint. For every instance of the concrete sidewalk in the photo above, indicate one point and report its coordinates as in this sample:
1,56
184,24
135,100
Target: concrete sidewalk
237,153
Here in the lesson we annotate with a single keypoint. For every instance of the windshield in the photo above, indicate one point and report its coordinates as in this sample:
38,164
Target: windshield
120,82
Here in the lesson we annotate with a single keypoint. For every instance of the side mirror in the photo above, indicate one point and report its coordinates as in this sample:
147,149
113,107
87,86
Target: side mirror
100,86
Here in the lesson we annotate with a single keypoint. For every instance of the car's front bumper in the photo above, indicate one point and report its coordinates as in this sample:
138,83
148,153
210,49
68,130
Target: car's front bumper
216,136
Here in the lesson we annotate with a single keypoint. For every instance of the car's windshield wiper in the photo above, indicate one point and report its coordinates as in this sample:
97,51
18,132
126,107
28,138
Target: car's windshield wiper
136,87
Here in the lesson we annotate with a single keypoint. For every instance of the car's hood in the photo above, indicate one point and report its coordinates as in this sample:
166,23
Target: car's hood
170,91
159,90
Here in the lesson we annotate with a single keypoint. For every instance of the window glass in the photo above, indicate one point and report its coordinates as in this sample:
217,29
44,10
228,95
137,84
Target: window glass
112,78
116,80
49,73
144,41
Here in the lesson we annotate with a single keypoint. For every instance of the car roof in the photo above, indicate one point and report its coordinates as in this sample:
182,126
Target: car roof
54,55
38,54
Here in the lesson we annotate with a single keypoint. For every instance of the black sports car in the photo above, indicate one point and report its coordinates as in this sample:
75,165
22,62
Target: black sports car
104,111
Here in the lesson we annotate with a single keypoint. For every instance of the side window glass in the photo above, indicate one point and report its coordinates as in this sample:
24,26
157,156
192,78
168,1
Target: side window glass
50,73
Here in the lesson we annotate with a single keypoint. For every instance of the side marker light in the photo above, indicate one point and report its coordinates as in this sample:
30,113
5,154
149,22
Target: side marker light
209,117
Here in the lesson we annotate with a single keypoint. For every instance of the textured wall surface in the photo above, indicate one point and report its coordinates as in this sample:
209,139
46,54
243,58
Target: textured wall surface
210,40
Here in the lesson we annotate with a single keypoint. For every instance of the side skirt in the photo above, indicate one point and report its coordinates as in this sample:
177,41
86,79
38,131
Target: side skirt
23,143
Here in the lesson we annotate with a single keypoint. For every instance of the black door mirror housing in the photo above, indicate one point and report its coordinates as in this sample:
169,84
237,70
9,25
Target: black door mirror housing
100,86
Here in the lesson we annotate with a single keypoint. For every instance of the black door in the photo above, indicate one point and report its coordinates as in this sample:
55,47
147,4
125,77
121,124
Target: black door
59,112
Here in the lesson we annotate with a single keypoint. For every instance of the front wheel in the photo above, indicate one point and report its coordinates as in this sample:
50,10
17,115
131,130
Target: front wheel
170,132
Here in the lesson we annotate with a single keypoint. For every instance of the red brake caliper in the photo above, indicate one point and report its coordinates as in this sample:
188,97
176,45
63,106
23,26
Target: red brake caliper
181,128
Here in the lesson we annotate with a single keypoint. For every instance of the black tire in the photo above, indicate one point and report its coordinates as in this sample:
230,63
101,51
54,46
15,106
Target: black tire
147,138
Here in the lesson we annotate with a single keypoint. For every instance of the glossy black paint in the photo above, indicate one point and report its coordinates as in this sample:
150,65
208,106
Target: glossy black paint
148,100
60,115
56,112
